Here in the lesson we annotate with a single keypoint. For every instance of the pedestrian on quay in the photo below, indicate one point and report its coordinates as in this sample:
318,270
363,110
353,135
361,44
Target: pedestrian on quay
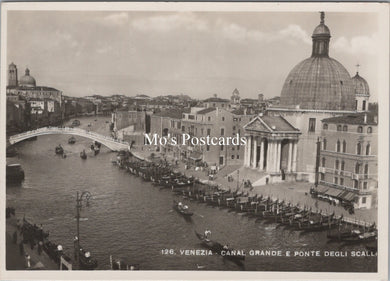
40,245
28,263
21,248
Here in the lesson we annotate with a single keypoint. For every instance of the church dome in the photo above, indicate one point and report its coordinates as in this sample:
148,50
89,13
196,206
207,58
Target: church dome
27,80
360,85
319,82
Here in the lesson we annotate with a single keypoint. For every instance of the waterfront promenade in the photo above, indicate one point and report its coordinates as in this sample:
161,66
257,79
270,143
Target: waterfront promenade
16,260
293,192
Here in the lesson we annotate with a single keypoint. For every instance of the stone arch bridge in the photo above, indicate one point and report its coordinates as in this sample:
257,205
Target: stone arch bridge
113,144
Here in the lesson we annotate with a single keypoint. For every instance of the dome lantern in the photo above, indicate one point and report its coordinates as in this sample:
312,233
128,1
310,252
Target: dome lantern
321,37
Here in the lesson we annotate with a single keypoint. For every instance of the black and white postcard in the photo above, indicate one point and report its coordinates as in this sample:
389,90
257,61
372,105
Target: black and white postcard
194,140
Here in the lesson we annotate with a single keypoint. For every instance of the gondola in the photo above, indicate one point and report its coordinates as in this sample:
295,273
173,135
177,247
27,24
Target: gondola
182,209
72,140
59,149
83,155
221,250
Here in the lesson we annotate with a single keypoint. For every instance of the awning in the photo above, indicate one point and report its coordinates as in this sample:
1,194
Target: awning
242,199
196,155
348,196
321,189
334,192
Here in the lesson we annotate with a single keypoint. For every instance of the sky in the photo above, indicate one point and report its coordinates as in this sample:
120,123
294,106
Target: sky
195,53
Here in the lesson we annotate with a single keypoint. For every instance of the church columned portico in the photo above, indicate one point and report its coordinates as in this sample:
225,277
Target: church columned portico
271,145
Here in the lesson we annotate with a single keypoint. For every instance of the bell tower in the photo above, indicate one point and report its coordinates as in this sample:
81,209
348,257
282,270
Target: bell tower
12,75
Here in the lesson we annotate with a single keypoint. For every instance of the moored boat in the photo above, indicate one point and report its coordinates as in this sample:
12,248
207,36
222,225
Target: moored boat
14,173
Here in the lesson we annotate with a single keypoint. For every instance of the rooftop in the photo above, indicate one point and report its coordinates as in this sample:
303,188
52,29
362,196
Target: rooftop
354,119
270,124
206,110
174,113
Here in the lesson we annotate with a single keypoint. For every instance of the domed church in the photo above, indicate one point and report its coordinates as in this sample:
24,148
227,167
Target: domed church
316,88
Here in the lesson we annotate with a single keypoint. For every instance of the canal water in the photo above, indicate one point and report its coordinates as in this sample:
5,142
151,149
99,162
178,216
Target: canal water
132,219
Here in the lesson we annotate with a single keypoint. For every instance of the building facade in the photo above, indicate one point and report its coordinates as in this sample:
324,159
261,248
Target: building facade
349,160
214,122
319,87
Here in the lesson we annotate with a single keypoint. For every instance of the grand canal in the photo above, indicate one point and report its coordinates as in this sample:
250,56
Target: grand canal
132,219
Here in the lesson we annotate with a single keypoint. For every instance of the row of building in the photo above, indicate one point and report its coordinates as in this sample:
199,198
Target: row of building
320,130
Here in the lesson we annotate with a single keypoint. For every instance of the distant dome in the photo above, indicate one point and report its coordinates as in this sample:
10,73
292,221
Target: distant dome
360,85
319,82
27,80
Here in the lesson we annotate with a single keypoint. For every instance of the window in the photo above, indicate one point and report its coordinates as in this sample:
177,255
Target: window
209,118
339,128
233,148
183,129
337,164
360,129
342,165
345,128
325,126
234,128
324,144
207,148
368,149
369,130
344,146
223,118
364,199
208,132
232,156
356,104
341,181
322,176
364,105
359,148
356,184
323,162
238,156
338,146
312,125
366,171
336,180
221,147
222,131
357,168
365,186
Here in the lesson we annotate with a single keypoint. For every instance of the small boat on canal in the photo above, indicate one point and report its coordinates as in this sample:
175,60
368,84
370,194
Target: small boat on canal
72,140
222,250
182,209
59,149
83,155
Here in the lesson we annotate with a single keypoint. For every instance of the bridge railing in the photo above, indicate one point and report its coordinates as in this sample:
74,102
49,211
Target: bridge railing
71,130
